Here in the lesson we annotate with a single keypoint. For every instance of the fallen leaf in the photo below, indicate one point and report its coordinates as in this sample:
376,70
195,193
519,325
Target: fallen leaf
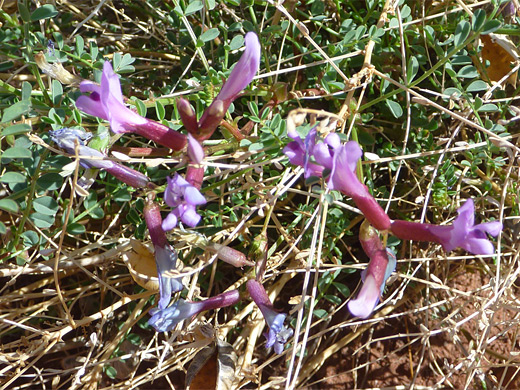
501,54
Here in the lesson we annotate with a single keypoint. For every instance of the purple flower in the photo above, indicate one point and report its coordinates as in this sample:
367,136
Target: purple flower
106,101
195,151
374,278
73,141
463,233
300,152
343,178
278,333
183,198
164,320
240,77
165,255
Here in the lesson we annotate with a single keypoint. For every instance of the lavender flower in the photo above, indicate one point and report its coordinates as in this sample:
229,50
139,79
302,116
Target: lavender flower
73,141
106,101
278,333
300,152
183,198
343,178
164,320
463,233
195,151
165,255
240,77
374,279
382,264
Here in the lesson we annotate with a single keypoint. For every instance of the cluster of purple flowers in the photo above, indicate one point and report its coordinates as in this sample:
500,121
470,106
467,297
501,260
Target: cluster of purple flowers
106,101
338,162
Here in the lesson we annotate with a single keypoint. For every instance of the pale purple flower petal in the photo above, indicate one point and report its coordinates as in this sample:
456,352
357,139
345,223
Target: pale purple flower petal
300,152
367,299
182,197
195,151
166,260
244,70
278,334
166,319
73,141
461,234
106,102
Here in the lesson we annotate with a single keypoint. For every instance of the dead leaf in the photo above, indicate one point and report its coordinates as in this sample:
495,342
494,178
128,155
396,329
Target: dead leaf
141,264
501,54
213,367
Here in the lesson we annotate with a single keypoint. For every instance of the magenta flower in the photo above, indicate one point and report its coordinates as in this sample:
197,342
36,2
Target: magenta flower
73,141
164,320
106,102
165,255
240,77
343,178
463,233
278,333
183,198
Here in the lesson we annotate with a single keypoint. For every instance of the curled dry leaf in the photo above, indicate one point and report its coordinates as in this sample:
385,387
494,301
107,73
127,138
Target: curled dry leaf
141,264
213,367
56,70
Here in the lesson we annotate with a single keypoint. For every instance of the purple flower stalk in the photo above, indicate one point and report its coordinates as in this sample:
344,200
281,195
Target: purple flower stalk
164,320
240,77
343,178
106,101
463,233
73,141
278,333
165,255
382,264
183,198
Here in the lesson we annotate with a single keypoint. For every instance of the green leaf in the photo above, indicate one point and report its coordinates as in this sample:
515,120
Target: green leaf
111,372
490,26
479,18
3,228
26,90
395,108
46,205
57,92
333,299
193,7
16,110
42,221
159,109
76,228
30,238
50,181
20,128
46,11
209,35
24,12
236,43
12,177
476,86
320,313
9,205
468,72
344,290
411,69
462,32
489,107
17,152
